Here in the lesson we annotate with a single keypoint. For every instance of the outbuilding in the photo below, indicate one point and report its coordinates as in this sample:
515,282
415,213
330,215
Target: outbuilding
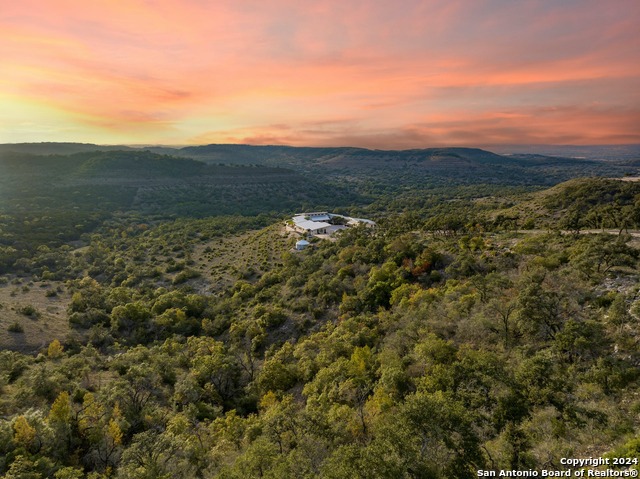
301,244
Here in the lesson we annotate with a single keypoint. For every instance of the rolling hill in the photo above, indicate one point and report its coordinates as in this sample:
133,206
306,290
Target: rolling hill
581,203
170,185
466,165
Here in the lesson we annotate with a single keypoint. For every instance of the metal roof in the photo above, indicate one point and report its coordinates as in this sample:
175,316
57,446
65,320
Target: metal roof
311,225
319,217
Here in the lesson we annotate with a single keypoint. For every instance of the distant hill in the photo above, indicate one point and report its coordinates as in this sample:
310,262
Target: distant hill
134,165
590,152
239,153
106,181
463,165
52,148
128,164
346,156
295,156
435,166
137,166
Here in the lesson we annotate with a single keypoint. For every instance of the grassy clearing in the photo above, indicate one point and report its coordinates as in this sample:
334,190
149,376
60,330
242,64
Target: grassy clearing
246,256
38,308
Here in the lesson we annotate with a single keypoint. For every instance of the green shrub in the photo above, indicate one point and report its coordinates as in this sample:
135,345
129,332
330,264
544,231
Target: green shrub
15,328
29,310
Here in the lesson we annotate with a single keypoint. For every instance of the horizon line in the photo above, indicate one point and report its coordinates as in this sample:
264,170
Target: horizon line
187,145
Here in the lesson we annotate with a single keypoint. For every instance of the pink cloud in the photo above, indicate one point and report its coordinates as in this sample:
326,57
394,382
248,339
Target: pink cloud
185,66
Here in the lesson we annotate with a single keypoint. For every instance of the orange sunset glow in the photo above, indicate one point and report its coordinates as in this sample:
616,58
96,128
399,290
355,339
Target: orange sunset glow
375,74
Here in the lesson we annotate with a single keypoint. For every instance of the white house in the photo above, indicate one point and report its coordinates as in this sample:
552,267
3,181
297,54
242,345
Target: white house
312,227
319,223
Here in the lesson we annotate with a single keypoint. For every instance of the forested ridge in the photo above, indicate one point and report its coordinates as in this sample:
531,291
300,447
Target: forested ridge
485,326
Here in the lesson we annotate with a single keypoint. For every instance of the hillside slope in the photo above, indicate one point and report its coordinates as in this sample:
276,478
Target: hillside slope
587,203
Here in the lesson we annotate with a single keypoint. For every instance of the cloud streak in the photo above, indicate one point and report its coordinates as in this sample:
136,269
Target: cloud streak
369,73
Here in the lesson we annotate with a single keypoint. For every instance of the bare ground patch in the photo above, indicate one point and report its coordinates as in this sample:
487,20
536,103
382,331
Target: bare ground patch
32,314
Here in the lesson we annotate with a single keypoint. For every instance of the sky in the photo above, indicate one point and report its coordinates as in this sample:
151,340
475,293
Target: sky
375,74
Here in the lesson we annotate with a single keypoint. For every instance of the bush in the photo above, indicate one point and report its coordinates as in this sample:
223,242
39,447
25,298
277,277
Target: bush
89,318
184,276
29,310
15,328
